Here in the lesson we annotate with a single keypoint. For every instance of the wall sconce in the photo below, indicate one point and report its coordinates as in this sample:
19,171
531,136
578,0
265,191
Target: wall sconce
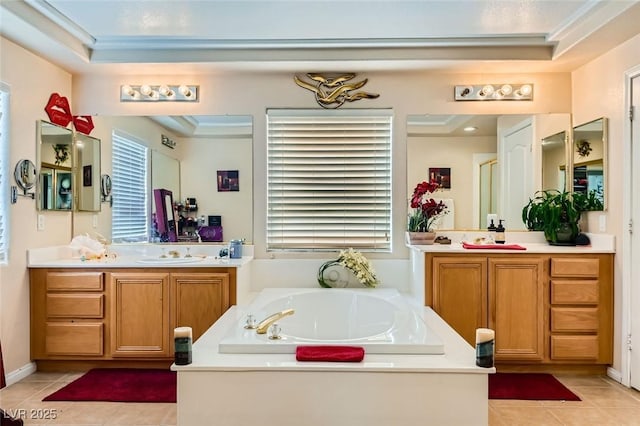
158,93
494,92
168,142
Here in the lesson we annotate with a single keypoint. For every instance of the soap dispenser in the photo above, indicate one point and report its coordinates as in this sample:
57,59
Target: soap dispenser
500,238
491,227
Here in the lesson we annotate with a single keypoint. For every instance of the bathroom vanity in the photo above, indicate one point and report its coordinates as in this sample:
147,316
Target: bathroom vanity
549,306
123,311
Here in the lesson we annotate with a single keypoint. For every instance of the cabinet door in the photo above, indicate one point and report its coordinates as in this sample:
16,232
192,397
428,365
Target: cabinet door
140,314
200,299
460,293
516,307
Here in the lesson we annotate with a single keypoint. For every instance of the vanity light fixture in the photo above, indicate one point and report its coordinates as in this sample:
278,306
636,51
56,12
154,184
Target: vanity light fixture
494,92
470,129
159,93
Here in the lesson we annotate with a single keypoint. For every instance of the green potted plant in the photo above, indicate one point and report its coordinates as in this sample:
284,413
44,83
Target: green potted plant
557,214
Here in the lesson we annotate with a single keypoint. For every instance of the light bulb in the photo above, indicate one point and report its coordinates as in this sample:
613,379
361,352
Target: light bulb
186,92
145,89
165,91
526,89
128,90
506,89
487,90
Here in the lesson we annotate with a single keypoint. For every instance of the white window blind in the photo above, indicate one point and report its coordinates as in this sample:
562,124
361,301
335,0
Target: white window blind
4,173
130,194
329,179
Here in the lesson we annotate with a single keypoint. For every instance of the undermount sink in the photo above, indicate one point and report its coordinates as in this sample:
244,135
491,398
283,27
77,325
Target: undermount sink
170,260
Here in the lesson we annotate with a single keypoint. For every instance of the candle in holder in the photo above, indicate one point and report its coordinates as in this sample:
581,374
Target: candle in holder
485,338
182,337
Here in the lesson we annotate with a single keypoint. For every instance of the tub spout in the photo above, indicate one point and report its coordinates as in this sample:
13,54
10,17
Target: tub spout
263,326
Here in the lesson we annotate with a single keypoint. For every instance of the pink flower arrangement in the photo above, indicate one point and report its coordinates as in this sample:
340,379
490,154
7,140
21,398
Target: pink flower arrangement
426,209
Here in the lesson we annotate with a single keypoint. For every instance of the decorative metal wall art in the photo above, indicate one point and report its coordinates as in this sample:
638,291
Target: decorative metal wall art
333,91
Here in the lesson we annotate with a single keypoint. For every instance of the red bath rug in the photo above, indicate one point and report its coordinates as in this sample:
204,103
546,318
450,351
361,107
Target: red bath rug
532,386
120,385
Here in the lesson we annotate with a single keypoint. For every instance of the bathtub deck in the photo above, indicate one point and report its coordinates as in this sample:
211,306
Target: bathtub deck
275,389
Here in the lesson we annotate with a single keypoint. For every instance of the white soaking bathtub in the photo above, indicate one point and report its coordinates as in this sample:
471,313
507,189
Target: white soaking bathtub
274,389
379,320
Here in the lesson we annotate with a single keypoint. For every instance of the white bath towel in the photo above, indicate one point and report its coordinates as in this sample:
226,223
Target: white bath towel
445,221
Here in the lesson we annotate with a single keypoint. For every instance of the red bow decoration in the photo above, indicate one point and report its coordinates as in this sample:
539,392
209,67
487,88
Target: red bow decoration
83,123
58,110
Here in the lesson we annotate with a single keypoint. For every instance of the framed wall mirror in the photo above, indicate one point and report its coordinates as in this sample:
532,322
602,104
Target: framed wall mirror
54,157
88,172
589,159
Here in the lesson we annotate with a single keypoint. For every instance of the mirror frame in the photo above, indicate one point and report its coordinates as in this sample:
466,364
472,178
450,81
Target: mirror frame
605,135
58,172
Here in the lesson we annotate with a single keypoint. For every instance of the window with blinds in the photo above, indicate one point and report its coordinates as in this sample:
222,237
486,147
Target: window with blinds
129,189
329,179
4,173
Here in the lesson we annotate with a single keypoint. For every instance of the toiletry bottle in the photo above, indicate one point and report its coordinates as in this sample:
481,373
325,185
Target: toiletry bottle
491,227
500,238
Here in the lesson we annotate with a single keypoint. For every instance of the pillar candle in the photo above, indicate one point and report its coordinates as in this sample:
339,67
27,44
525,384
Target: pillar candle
485,338
182,337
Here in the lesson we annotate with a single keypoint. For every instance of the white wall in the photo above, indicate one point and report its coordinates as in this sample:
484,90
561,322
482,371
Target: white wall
32,80
598,91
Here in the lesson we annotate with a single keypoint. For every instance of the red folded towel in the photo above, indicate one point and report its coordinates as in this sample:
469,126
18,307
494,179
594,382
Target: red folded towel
330,353
494,246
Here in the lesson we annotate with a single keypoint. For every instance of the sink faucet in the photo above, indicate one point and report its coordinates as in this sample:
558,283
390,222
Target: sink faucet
263,326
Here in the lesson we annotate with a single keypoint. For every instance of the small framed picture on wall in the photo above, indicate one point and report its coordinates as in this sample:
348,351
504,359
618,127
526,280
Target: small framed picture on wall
441,175
228,180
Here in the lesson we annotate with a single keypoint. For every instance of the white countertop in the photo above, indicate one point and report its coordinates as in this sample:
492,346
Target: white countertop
533,242
139,256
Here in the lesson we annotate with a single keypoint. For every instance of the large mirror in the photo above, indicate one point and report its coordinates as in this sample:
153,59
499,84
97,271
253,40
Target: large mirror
88,183
54,157
204,145
494,163
589,159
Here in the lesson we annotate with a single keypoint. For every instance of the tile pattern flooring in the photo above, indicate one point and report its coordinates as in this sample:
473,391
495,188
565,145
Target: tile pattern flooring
604,402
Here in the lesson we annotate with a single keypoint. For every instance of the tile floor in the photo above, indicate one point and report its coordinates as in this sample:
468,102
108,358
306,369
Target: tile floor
604,402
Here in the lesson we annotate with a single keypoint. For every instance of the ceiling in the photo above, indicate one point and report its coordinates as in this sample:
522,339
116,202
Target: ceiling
183,36
191,36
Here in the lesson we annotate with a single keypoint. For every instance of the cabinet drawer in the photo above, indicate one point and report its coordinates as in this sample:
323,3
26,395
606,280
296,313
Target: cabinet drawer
582,348
574,292
73,338
72,281
574,319
61,305
575,267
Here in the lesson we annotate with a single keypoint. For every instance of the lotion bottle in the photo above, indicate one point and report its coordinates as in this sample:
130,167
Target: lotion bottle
500,238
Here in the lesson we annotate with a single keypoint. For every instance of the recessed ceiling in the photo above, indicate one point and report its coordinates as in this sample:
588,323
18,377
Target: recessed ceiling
183,36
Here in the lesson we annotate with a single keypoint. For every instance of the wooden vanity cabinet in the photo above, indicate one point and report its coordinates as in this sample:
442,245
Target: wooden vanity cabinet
581,306
500,292
199,299
547,308
140,314
68,314
125,314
